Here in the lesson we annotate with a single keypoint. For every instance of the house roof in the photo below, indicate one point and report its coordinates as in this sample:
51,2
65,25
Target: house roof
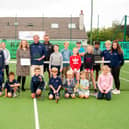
7,27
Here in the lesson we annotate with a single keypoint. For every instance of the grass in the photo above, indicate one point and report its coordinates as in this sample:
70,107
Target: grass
17,113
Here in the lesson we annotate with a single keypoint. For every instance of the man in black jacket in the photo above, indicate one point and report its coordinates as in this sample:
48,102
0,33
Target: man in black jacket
49,50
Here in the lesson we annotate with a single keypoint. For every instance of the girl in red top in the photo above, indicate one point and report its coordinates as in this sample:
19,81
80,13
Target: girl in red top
75,64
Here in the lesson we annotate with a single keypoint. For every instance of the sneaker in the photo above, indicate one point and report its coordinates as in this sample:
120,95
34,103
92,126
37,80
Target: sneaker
113,91
116,92
14,95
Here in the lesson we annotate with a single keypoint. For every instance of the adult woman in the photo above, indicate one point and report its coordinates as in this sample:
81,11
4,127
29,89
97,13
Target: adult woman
22,71
117,60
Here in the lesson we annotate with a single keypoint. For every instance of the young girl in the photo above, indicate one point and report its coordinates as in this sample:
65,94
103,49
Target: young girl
84,86
69,85
56,60
105,83
75,63
88,65
117,61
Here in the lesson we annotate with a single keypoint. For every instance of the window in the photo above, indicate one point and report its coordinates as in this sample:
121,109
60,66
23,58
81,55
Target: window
73,26
54,25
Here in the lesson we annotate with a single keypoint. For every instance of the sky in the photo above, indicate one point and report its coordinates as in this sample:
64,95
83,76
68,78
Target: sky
108,10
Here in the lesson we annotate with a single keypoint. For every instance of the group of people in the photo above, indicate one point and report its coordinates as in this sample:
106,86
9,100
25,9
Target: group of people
69,70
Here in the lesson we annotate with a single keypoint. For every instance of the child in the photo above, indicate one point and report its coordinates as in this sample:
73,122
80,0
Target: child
37,83
56,60
81,52
88,65
97,56
106,54
69,85
117,60
66,53
75,63
55,84
105,83
84,86
11,86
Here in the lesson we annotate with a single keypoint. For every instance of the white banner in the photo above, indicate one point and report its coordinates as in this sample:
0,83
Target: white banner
28,35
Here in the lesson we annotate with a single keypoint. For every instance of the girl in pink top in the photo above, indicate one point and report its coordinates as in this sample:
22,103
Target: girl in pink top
105,83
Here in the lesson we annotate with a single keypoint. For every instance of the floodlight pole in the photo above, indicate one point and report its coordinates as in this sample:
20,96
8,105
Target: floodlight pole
71,28
98,29
125,28
91,22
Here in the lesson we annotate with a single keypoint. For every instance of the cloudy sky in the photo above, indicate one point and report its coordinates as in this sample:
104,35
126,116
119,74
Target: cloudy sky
108,10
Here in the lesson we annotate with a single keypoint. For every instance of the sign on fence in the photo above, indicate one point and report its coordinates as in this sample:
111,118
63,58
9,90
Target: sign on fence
124,46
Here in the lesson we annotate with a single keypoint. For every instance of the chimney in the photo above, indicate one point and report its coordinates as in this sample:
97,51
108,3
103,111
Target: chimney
81,21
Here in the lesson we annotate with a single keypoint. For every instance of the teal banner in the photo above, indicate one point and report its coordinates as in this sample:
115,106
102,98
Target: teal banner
124,46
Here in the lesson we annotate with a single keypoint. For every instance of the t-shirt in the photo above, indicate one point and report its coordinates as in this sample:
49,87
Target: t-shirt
84,83
66,53
8,83
37,81
69,85
55,82
88,61
81,50
75,62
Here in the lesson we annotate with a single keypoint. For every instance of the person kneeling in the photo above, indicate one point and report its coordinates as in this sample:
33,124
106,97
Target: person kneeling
105,83
69,85
37,83
55,84
11,86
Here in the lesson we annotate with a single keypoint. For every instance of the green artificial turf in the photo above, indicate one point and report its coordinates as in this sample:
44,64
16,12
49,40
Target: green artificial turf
18,113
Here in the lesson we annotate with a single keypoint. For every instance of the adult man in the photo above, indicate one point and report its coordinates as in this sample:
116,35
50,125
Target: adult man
49,50
37,53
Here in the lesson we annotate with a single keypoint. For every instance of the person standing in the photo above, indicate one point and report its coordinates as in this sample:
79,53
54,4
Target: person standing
97,57
7,57
66,53
37,54
81,52
2,63
22,71
49,50
117,60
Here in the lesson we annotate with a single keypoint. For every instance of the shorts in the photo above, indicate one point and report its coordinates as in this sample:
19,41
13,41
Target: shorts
78,71
46,67
54,95
34,89
10,90
96,67
35,66
67,92
58,67
88,70
86,93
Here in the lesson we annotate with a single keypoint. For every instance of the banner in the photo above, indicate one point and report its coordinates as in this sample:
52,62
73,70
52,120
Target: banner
124,46
28,35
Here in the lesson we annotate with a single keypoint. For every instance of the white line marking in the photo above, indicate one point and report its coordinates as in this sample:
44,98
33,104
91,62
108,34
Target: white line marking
36,114
124,79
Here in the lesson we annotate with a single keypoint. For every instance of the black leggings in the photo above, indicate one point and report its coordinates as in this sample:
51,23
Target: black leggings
116,73
23,79
7,70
